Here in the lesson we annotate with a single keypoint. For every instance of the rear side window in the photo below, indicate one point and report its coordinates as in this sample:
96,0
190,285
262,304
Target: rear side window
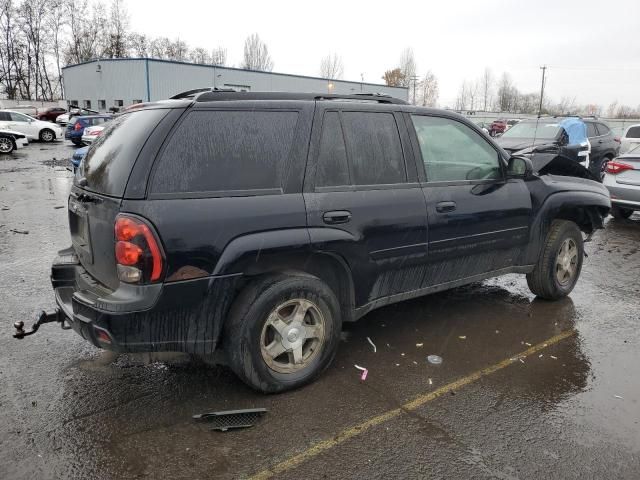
634,132
591,130
374,148
109,161
5,117
332,157
603,129
216,151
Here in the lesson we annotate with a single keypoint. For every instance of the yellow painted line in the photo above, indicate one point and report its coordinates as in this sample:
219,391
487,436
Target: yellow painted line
355,430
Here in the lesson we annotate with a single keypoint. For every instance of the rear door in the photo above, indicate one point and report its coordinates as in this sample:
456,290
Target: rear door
597,143
363,201
631,138
478,219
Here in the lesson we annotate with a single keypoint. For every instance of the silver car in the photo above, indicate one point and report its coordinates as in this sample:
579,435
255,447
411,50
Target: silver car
622,178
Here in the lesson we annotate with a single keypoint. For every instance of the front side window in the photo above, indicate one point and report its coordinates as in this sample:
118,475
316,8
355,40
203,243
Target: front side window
217,151
374,147
451,151
18,117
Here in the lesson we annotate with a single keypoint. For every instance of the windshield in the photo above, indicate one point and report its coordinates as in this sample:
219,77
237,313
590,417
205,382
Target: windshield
110,159
544,130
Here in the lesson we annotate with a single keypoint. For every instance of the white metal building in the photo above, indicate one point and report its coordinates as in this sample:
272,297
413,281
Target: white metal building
102,84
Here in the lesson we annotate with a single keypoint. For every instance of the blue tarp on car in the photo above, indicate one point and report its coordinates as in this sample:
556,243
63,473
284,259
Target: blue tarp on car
576,129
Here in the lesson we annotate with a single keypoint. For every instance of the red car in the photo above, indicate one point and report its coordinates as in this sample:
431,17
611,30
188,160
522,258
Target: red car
50,114
501,125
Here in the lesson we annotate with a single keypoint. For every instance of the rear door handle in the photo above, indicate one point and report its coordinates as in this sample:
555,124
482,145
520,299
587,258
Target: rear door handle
336,216
444,207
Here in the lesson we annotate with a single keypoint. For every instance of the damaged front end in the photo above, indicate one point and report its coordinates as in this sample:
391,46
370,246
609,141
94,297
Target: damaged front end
549,159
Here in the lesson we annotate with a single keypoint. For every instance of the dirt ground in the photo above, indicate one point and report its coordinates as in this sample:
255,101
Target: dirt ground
527,389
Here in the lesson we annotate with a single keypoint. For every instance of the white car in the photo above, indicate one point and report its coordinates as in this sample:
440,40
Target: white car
74,112
90,134
630,139
29,126
11,140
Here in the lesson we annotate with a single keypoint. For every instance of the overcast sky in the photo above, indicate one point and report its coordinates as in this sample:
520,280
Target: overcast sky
592,47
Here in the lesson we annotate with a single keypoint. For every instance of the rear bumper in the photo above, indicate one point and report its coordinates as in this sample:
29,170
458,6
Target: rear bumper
184,316
622,194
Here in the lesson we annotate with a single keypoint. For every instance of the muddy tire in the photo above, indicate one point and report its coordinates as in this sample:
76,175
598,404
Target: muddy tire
282,332
621,213
560,262
47,135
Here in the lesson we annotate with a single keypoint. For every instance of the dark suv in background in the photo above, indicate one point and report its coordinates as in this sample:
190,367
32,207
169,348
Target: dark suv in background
545,132
256,223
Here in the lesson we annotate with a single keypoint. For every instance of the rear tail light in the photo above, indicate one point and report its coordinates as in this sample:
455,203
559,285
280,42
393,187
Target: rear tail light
616,167
138,254
94,133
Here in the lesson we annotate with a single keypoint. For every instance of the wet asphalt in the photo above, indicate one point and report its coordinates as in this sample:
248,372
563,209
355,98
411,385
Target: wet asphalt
569,410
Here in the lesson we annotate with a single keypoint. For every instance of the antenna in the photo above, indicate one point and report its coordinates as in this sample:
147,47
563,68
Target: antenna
535,132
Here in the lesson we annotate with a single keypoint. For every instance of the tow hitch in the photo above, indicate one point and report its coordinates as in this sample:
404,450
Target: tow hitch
43,317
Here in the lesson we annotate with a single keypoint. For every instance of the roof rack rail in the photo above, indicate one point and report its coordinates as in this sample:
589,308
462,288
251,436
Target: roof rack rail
193,93
210,95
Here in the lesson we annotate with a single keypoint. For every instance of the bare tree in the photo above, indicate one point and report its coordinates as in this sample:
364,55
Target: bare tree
200,55
10,49
331,67
507,96
408,66
177,50
219,56
486,87
138,44
85,26
393,78
611,109
116,35
56,22
256,54
429,90
158,47
462,100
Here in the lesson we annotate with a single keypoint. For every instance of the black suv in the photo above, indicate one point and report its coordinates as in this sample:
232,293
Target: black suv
256,224
545,133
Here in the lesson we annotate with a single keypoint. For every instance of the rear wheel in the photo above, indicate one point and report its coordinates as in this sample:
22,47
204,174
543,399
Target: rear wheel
560,262
282,332
6,145
603,168
621,213
47,135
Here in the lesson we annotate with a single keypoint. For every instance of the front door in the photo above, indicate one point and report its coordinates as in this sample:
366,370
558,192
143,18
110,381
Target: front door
478,219
364,203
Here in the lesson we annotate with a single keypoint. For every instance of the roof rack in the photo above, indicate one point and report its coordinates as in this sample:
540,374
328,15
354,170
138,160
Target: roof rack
193,93
211,95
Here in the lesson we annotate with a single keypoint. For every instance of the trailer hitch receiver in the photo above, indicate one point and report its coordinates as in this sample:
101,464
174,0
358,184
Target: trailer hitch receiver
43,317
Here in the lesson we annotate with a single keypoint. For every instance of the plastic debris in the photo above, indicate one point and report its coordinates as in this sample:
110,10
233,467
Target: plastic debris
430,382
521,360
462,337
415,363
231,419
434,359
397,364
555,358
372,344
541,355
419,345
497,331
21,232
527,344
363,375
618,396
402,354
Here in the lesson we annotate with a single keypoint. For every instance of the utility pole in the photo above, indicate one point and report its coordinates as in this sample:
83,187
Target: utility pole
414,79
544,70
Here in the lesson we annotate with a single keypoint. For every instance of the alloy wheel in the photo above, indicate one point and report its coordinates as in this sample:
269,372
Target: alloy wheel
6,146
292,336
567,262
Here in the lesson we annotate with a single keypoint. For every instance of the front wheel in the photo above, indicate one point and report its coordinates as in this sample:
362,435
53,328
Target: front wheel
282,332
6,145
47,135
560,262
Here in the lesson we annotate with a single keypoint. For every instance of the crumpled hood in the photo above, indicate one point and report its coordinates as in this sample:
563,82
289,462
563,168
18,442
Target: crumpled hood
515,144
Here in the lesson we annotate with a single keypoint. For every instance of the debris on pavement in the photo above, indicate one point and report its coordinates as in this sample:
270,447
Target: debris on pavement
555,358
232,419
434,359
419,345
364,371
618,396
430,382
21,232
372,344
521,360
462,337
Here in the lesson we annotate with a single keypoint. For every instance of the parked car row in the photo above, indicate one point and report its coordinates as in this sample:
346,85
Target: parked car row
75,130
32,128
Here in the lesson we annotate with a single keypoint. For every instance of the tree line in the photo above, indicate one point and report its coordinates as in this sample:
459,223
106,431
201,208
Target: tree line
487,93
423,89
40,37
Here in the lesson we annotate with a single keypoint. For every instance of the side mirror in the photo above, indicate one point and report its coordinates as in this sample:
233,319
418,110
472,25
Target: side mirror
520,167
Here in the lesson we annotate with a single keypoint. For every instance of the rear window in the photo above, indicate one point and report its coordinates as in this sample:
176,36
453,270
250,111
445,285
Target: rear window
634,132
226,151
109,160
603,129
